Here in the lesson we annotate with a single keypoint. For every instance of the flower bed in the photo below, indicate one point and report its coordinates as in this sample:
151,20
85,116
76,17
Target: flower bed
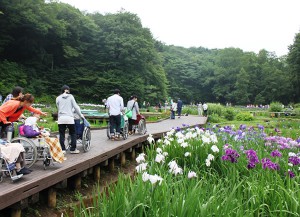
220,171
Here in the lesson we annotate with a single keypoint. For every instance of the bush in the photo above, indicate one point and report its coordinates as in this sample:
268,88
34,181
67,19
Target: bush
229,114
244,116
214,118
215,109
276,107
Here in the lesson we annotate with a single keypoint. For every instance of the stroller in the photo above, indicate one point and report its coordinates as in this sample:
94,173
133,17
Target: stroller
83,134
124,127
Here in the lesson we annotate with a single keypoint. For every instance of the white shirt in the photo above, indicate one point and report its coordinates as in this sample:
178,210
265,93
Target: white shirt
65,120
31,121
115,104
205,107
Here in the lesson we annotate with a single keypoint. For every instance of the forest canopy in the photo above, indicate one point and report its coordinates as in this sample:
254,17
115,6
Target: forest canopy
44,45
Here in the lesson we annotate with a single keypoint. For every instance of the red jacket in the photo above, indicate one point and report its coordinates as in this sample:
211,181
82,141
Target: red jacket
8,111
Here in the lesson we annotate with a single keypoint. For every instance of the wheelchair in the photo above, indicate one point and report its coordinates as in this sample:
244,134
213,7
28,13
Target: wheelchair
124,127
83,134
140,125
8,169
29,146
35,149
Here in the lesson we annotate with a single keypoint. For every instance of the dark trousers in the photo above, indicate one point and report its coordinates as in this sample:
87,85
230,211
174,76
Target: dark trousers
131,123
172,114
62,130
115,123
3,133
179,111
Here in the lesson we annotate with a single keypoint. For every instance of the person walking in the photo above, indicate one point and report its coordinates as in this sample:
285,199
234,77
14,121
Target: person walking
66,103
134,106
173,109
115,105
200,109
205,109
179,107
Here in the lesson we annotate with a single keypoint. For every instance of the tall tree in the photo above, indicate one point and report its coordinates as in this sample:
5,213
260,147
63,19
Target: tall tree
293,60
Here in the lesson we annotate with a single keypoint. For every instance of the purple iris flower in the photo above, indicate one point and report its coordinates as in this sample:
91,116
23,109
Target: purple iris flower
294,160
261,127
276,153
252,158
243,127
291,174
231,155
267,163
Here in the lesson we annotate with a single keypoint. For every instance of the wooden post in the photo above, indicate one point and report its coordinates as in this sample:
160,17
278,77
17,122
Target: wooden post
16,213
77,182
133,156
123,159
97,173
52,197
111,164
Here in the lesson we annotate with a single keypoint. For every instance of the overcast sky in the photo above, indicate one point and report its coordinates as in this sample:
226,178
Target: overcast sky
251,25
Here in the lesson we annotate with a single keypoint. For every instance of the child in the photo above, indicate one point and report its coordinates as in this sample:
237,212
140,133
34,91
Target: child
30,127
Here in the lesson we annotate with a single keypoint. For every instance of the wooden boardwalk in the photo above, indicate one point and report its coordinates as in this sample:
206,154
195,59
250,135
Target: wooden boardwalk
101,150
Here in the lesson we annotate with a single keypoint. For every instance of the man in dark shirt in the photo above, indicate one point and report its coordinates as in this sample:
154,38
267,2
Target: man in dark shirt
179,107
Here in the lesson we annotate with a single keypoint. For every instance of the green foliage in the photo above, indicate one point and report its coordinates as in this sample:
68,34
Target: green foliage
9,71
276,107
244,116
45,45
229,114
214,118
293,59
215,109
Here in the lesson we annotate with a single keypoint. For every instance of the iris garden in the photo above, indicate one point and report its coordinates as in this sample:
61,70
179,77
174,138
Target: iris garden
216,171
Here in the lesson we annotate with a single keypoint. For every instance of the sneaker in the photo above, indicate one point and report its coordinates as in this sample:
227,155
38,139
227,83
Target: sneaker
76,151
23,171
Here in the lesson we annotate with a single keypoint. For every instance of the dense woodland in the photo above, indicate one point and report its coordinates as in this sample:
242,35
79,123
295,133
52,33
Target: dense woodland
45,44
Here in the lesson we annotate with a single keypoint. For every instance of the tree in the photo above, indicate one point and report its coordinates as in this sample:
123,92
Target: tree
293,60
241,93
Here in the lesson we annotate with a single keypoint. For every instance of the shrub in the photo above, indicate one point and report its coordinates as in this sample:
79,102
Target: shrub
244,116
214,118
229,114
276,107
215,109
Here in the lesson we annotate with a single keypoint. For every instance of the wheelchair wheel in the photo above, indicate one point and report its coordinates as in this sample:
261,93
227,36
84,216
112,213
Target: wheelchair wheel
30,150
1,173
86,139
68,142
125,130
142,127
108,131
46,163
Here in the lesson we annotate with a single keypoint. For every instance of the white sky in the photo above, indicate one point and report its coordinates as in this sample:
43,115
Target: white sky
251,25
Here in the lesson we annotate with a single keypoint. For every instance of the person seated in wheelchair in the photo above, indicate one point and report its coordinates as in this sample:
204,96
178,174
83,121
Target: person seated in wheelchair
13,153
79,127
133,105
30,128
